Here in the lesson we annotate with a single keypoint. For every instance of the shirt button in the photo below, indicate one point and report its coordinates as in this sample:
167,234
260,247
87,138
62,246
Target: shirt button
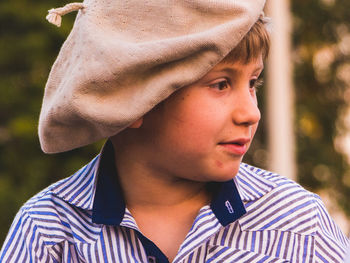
229,207
151,259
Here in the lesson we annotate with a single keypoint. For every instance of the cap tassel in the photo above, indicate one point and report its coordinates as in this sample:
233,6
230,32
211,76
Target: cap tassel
55,14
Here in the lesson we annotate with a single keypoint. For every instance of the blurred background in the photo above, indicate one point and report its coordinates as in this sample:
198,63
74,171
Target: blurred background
305,102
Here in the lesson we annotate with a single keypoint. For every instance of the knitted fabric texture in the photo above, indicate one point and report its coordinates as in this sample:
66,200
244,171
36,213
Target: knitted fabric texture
122,58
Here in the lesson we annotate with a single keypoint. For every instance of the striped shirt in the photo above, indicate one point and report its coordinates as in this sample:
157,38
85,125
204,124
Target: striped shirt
347,257
257,217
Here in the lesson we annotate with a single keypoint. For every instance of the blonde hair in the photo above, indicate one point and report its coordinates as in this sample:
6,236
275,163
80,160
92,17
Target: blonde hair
254,43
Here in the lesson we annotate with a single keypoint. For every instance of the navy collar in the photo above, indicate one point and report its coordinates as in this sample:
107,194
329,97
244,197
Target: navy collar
109,206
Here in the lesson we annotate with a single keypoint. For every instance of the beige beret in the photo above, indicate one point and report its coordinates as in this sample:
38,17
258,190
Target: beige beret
124,57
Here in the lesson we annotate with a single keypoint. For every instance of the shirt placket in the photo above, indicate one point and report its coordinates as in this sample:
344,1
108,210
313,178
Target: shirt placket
153,253
204,227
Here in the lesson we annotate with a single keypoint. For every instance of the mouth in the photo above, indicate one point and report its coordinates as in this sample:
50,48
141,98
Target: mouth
236,147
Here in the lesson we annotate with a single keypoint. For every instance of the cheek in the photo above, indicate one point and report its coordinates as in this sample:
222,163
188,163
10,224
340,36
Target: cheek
191,136
194,122
253,131
199,125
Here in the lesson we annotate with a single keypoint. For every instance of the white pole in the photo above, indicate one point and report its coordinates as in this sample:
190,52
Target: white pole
280,99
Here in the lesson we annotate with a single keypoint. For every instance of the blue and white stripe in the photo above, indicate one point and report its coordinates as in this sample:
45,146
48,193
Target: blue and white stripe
283,223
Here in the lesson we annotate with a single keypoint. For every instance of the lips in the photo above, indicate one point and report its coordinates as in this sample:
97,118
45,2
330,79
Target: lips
236,147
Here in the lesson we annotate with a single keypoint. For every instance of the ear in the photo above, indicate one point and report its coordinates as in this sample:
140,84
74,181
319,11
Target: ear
136,124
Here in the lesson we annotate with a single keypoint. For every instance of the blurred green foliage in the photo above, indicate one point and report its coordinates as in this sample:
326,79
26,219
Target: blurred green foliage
29,45
321,29
321,51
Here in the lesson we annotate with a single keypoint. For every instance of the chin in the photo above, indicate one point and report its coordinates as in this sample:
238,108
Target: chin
220,172
226,175
223,177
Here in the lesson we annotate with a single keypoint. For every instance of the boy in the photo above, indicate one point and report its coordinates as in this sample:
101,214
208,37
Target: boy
169,185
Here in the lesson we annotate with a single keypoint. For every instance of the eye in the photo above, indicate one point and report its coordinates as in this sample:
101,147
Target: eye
221,85
255,83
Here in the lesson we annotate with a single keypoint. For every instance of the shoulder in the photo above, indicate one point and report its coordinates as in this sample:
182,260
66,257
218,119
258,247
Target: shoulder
257,185
273,178
284,205
288,209
68,202
58,214
74,190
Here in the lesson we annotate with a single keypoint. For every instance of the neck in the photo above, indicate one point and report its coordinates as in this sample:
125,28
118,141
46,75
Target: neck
158,198
148,187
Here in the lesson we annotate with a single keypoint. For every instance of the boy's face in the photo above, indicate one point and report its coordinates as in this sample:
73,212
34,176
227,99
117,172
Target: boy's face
202,131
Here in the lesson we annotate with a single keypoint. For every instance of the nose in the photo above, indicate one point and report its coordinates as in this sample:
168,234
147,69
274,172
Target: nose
246,111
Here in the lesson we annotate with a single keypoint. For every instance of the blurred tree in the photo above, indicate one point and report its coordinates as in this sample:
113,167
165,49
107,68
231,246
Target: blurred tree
28,47
321,28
